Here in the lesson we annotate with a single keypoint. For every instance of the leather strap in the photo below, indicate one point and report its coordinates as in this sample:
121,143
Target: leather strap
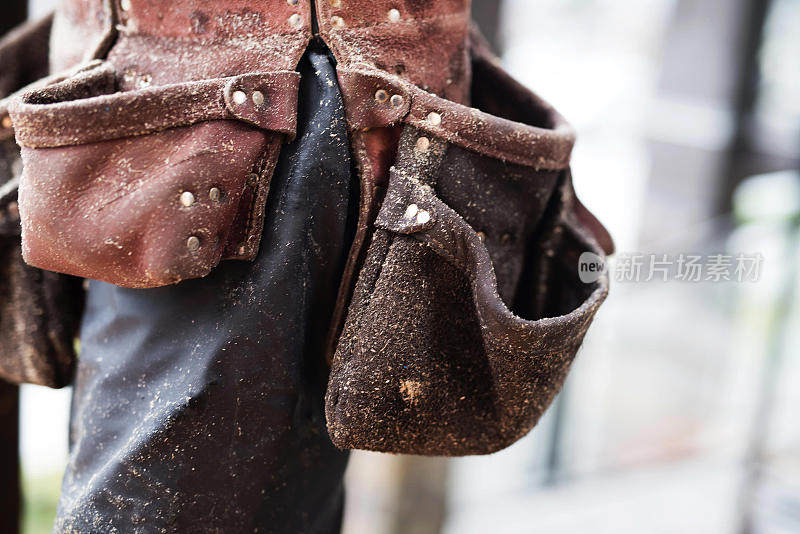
375,99
85,109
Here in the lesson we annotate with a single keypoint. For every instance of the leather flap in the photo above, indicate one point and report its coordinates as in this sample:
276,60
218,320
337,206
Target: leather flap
540,147
373,99
80,110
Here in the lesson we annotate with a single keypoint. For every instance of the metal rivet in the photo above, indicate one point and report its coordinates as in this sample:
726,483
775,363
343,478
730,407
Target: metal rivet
423,217
187,199
214,194
6,122
381,96
397,101
242,249
411,211
292,2
423,144
239,97
337,21
505,238
434,119
394,15
145,81
258,98
193,243
336,3
482,237
252,179
125,5
295,20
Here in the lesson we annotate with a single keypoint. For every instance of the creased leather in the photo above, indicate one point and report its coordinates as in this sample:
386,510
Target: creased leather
463,323
454,330
433,360
86,109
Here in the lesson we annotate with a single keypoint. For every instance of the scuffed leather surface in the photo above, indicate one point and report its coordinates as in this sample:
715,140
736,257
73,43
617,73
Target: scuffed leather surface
79,28
433,360
112,211
85,108
426,46
39,311
463,325
494,266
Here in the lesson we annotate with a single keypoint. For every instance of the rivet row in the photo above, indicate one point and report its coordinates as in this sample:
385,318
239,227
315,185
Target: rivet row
240,97
420,216
188,199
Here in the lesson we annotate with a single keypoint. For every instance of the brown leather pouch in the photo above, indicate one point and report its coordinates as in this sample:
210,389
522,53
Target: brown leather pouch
39,311
150,186
469,308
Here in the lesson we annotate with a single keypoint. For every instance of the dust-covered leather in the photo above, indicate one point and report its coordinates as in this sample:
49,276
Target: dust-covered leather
111,150
459,309
39,310
105,171
468,309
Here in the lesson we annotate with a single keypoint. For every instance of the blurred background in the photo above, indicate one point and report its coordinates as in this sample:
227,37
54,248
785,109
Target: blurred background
680,415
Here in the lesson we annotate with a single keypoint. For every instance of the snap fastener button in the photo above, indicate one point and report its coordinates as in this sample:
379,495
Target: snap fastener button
397,101
423,144
411,211
292,2
394,15
337,21
193,243
423,217
239,97
125,5
434,119
214,194
258,98
187,199
295,20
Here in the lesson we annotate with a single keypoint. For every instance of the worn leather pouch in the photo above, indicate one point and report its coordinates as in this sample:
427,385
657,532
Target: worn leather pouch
39,311
149,186
469,309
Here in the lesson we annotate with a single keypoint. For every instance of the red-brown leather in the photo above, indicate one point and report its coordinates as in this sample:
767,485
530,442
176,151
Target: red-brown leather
104,172
423,42
81,30
118,215
474,303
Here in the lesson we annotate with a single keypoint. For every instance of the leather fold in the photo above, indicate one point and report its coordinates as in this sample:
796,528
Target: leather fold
86,109
150,186
544,142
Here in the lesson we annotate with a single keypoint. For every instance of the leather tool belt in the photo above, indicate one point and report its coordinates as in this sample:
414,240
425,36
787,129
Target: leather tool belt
461,308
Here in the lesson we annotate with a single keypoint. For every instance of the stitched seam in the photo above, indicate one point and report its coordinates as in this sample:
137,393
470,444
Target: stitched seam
259,169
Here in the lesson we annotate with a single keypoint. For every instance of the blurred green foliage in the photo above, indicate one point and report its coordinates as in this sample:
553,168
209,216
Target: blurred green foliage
40,497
